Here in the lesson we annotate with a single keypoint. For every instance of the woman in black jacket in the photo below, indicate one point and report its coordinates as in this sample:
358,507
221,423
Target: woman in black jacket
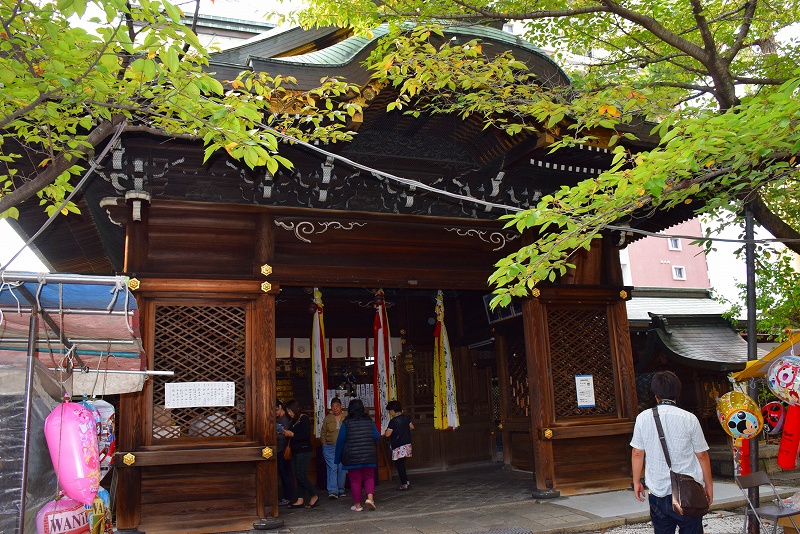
356,451
299,434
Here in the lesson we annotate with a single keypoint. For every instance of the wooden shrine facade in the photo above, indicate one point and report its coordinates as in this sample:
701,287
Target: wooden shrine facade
222,257
228,321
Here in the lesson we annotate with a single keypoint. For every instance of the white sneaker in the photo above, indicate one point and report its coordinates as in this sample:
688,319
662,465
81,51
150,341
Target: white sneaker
370,504
356,508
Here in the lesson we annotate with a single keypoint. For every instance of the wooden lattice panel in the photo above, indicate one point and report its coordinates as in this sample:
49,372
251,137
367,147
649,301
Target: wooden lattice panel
518,378
423,377
201,344
580,344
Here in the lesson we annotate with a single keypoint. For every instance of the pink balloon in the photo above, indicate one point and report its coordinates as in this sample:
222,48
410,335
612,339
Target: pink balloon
62,516
71,435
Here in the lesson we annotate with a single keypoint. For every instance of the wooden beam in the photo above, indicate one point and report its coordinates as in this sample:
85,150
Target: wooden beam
399,277
192,456
588,431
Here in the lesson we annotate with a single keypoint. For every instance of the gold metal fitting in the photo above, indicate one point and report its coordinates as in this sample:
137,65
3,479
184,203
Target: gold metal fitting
266,269
266,287
548,434
535,292
267,453
500,426
133,284
128,459
623,294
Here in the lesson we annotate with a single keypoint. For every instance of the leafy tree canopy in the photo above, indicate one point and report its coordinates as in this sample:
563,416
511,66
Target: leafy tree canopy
713,74
65,90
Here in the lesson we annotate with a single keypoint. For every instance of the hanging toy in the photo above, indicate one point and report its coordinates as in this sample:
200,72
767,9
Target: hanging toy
71,435
774,413
98,513
783,378
739,415
62,516
107,441
741,457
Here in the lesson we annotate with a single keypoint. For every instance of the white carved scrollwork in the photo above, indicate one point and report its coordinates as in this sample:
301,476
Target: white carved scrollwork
495,238
307,228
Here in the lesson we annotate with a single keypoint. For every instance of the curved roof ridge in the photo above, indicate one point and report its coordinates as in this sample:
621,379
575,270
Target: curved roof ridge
344,51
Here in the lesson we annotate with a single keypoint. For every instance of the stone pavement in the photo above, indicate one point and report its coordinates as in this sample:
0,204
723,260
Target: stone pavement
487,499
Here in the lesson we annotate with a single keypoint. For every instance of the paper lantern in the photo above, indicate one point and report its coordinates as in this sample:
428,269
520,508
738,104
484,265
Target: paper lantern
774,414
62,516
739,415
71,434
783,378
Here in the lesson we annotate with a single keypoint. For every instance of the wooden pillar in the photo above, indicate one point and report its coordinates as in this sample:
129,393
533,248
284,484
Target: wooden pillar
262,400
262,396
132,418
536,348
623,354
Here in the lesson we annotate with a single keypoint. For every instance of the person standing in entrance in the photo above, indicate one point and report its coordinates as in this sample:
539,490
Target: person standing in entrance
330,431
299,434
688,452
399,434
284,466
356,450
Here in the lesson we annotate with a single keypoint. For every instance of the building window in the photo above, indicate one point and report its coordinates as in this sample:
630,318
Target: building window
678,273
674,243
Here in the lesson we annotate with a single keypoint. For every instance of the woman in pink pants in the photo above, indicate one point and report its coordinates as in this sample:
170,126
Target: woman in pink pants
357,452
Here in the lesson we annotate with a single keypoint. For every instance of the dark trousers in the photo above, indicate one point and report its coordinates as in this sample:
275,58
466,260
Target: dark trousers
400,464
286,477
304,486
665,519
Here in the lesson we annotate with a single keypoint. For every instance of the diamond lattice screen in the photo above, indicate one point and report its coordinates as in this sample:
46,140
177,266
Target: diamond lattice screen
201,344
580,345
518,378
422,377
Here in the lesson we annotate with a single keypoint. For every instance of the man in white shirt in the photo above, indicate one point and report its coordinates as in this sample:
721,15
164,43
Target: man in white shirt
688,452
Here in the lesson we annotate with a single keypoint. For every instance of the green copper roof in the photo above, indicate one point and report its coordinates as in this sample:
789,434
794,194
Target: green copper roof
343,52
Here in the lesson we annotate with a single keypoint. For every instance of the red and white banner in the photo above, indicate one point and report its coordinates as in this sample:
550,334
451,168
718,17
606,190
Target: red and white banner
385,383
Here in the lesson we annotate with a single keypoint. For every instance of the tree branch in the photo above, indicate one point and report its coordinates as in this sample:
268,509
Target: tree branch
744,30
49,174
775,224
759,81
702,26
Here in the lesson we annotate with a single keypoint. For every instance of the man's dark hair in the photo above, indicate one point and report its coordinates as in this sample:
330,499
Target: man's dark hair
336,400
666,385
278,403
394,406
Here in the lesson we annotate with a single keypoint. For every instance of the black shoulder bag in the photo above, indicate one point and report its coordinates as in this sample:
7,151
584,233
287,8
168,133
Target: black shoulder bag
688,496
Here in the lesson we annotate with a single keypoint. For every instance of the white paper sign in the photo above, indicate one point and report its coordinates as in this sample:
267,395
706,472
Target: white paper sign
584,385
199,394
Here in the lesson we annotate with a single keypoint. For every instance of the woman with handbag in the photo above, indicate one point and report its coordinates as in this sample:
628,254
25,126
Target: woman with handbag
683,450
299,434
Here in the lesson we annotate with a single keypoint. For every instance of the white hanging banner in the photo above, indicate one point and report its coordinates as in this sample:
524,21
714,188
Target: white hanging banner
384,379
319,373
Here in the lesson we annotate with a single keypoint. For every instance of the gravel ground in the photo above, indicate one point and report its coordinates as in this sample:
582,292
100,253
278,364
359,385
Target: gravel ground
713,523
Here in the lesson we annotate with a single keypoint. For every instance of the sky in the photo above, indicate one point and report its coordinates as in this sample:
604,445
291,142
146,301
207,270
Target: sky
10,244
